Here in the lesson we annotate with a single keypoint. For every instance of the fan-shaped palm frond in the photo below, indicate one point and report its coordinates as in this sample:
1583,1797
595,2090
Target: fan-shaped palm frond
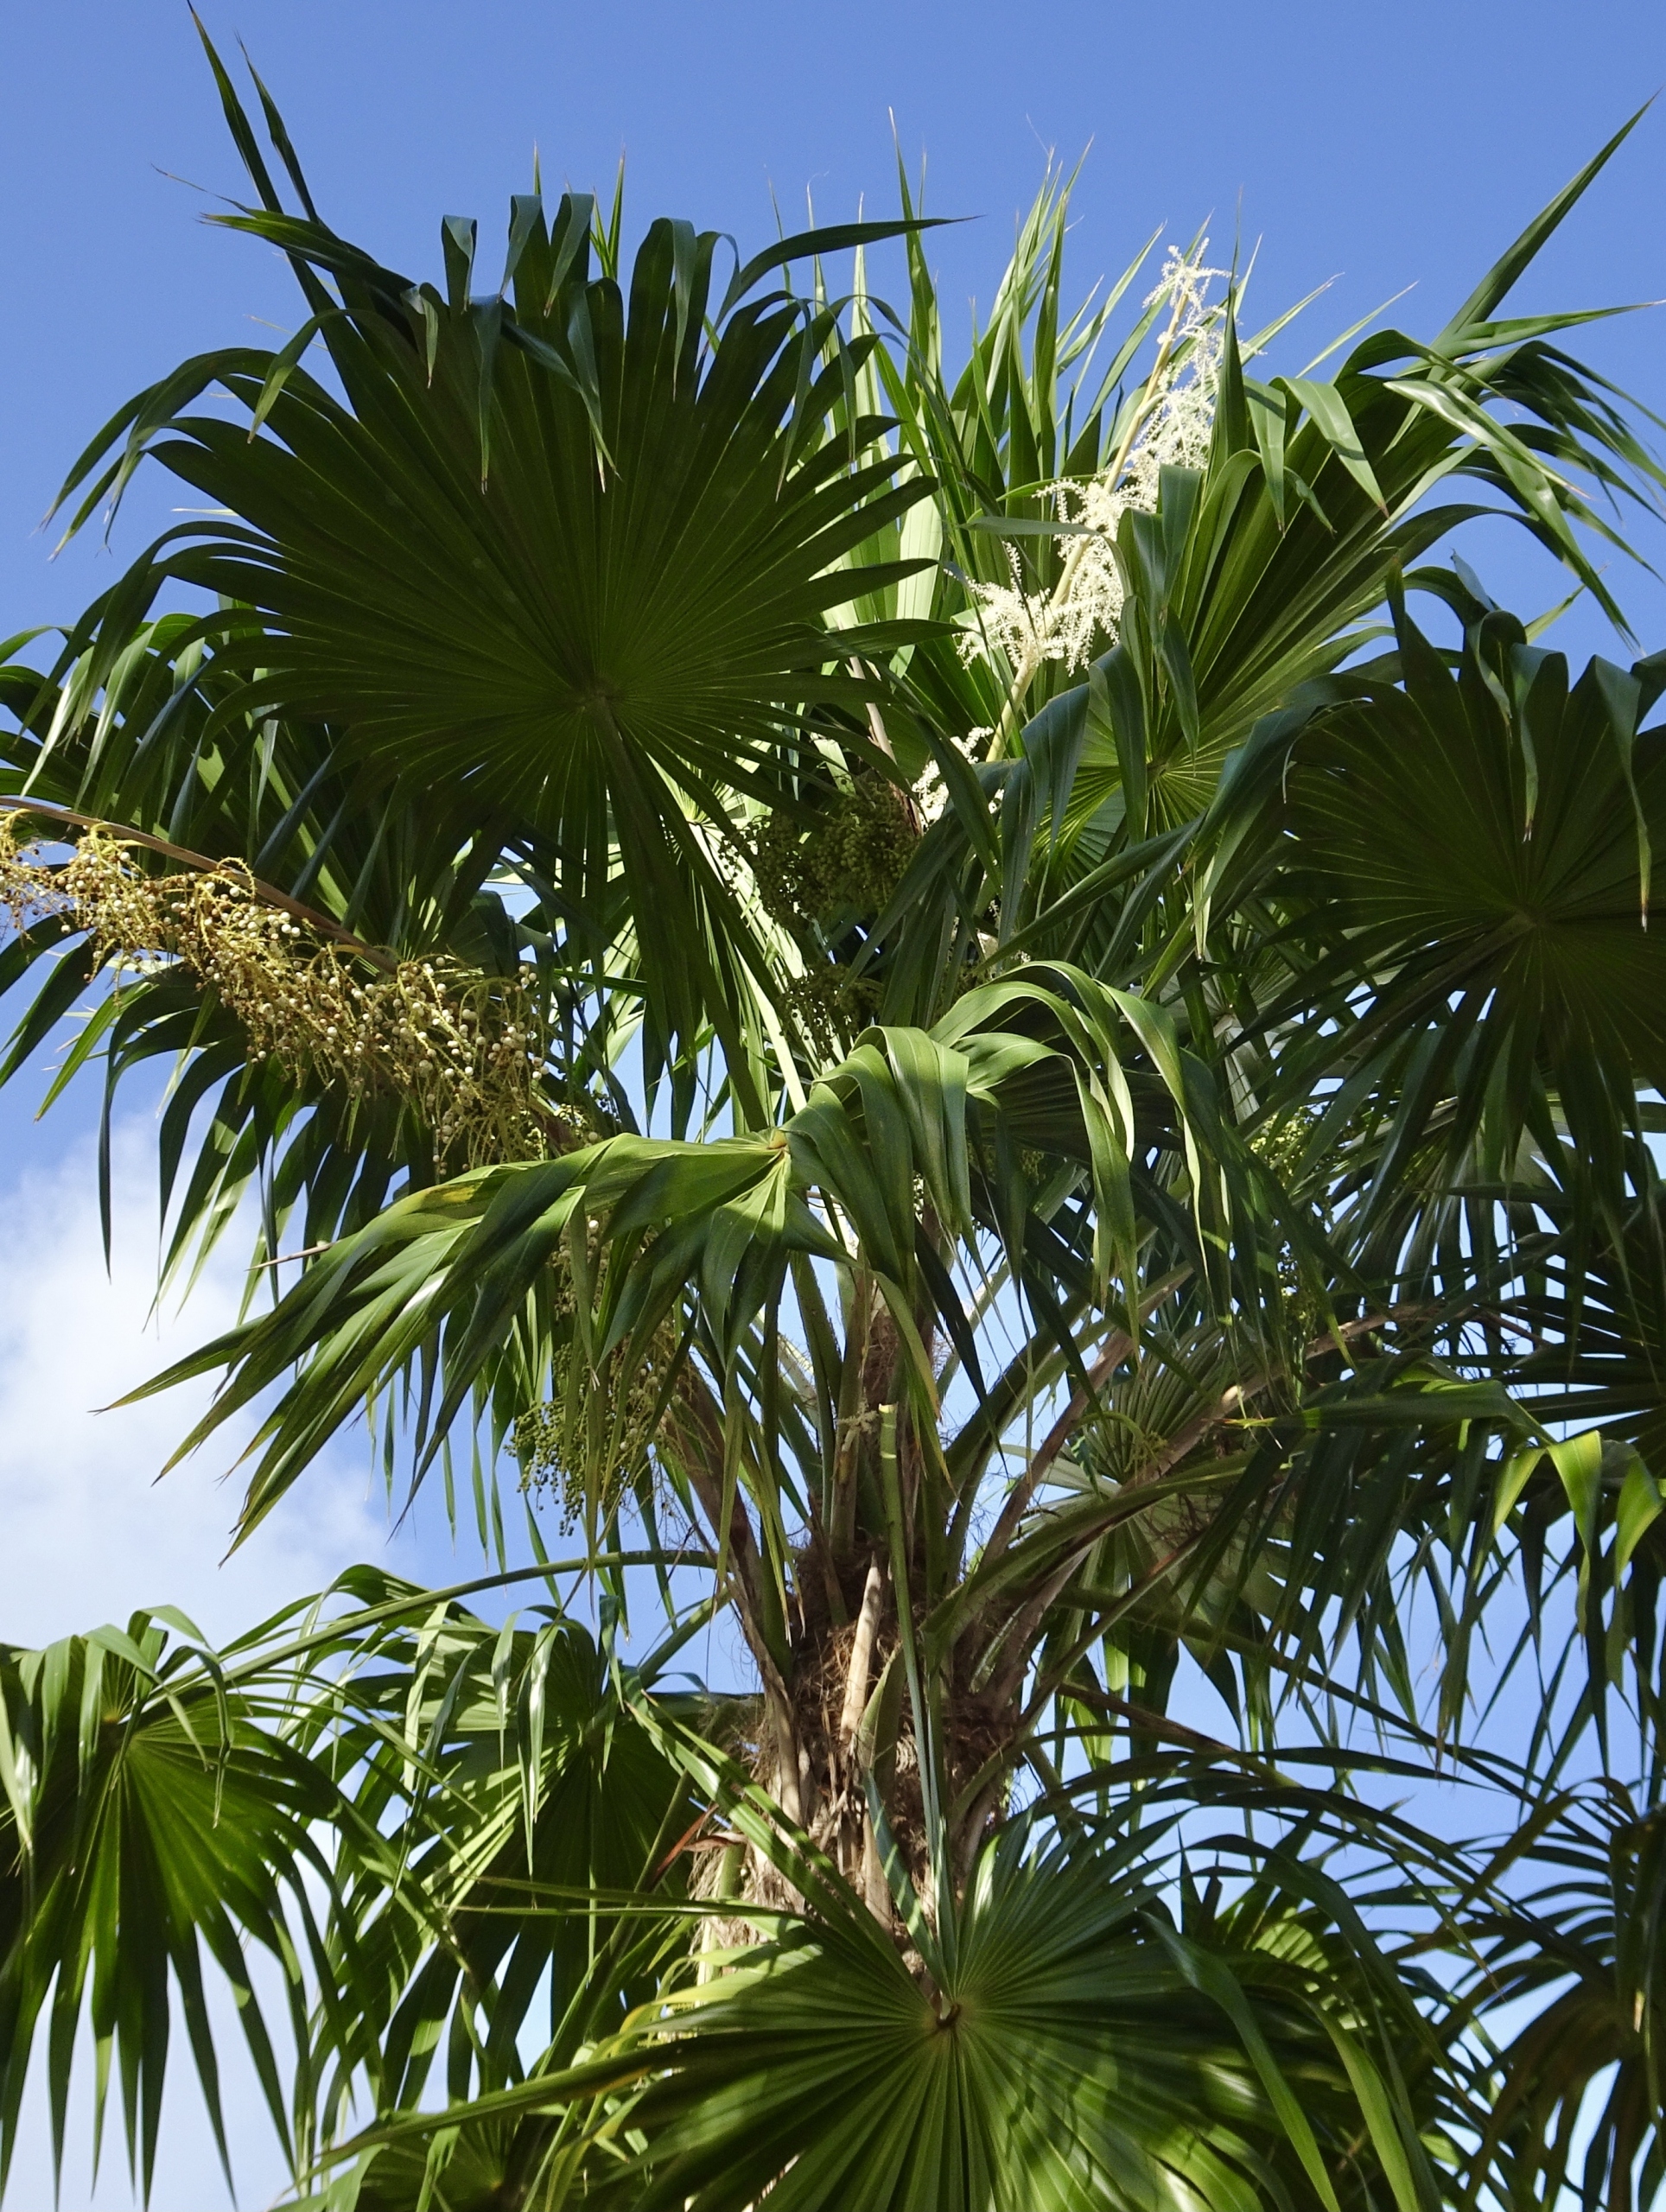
1476,846
416,1813
1575,2093
556,558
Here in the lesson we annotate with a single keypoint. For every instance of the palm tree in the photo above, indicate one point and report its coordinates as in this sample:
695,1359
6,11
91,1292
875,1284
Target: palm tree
926,1001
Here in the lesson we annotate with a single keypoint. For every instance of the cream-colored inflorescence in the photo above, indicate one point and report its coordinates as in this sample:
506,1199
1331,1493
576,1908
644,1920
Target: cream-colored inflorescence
931,792
464,1049
1171,428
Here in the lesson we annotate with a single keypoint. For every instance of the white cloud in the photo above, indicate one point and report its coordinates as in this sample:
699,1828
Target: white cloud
87,1534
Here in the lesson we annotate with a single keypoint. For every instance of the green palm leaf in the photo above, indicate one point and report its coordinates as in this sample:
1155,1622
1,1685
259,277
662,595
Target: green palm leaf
561,554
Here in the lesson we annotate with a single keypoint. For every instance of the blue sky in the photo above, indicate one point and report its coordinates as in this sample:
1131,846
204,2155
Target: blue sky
1379,147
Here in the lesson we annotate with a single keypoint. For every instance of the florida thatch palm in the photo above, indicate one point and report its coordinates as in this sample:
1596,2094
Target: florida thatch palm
922,998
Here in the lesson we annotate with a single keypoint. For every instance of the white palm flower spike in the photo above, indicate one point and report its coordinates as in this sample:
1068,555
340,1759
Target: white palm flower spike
1170,428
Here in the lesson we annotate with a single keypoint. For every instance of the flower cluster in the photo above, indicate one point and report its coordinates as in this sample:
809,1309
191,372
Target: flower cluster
851,860
463,1049
1283,1145
588,1443
931,793
833,1006
1172,429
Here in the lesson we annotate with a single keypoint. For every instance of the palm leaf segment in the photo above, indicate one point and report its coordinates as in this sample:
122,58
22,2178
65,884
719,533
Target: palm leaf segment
1070,2046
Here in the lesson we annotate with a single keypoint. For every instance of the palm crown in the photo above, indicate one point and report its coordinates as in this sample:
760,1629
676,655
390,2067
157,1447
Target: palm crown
926,1000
